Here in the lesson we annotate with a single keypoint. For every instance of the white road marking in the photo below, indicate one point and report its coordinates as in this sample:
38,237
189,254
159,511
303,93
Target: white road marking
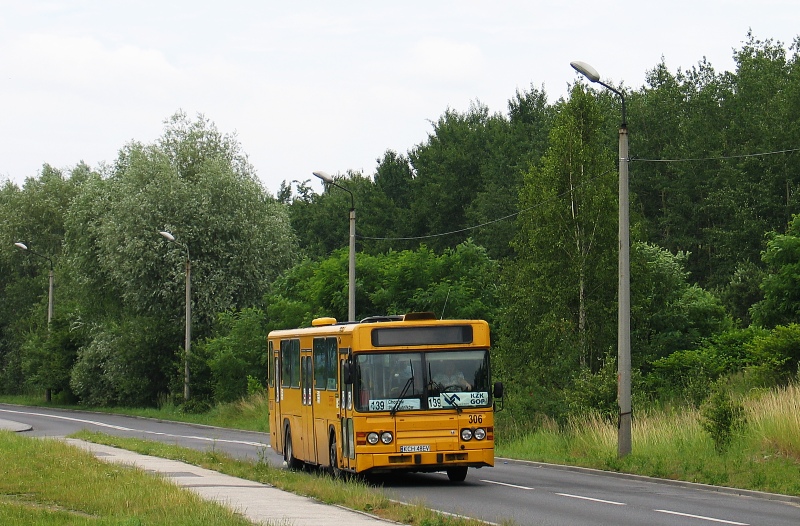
703,518
122,428
591,499
505,484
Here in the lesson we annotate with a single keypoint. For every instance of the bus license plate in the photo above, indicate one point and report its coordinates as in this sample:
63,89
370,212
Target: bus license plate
414,449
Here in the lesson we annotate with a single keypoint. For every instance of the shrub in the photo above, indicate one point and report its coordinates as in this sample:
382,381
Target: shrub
595,393
236,352
722,418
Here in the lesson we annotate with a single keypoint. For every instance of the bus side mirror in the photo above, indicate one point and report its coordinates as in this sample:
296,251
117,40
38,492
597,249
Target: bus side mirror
347,373
498,390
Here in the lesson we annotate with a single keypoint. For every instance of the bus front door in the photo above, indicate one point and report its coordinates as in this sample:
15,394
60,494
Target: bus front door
346,434
307,409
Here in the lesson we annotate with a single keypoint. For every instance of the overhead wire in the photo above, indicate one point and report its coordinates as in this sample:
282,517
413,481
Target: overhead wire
509,216
742,156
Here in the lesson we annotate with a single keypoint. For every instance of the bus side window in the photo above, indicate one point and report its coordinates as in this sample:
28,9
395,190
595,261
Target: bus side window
325,363
290,363
270,372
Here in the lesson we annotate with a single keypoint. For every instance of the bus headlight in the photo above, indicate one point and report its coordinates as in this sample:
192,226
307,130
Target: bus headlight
479,433
372,438
466,434
386,437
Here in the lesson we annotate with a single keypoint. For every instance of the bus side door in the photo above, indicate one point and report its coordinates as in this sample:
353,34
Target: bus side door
274,386
307,409
346,433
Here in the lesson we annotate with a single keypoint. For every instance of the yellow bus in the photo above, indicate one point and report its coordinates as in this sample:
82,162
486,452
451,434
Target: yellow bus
387,394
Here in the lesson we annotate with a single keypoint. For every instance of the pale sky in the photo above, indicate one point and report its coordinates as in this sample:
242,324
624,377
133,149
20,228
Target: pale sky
324,85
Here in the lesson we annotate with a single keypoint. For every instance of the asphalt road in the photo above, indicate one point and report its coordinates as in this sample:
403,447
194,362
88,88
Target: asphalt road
527,493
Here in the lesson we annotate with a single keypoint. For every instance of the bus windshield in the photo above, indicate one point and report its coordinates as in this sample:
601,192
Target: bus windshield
432,380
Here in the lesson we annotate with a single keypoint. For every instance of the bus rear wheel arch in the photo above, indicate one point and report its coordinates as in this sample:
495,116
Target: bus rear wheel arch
333,455
288,450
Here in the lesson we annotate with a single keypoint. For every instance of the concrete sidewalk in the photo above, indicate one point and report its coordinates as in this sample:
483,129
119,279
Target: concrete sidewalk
258,502
17,427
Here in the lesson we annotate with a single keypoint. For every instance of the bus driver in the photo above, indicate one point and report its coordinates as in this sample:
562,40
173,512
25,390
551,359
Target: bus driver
451,377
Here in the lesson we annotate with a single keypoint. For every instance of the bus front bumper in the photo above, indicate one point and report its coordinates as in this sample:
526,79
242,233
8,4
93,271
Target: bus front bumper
425,462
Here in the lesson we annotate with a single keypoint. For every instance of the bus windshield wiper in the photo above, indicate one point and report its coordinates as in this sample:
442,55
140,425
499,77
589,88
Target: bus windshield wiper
452,401
400,398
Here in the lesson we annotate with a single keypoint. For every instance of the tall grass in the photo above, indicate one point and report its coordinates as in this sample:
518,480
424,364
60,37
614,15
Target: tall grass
775,420
670,443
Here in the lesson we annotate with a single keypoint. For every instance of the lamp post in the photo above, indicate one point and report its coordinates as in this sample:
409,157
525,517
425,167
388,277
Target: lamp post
351,281
23,246
624,300
187,345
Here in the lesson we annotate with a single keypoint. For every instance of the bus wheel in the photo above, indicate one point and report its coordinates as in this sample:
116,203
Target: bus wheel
334,458
288,452
457,474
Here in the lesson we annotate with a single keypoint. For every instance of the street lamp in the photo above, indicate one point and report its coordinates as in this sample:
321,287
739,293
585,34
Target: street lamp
624,300
351,286
23,246
187,345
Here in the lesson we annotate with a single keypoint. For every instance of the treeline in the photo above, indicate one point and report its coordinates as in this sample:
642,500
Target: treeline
509,217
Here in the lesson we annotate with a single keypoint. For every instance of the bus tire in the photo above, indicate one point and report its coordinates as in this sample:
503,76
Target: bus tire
288,451
457,474
333,457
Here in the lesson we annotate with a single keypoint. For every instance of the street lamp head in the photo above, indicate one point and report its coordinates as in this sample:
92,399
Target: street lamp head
167,235
586,70
324,176
21,246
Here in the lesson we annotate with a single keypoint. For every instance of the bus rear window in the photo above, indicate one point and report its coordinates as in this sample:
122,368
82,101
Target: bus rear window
397,336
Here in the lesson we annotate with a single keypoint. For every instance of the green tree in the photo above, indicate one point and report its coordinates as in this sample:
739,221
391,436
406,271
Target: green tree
30,354
560,289
236,352
196,183
781,285
668,313
448,174
460,283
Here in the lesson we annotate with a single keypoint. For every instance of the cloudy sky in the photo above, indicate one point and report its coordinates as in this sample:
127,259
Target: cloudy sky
323,85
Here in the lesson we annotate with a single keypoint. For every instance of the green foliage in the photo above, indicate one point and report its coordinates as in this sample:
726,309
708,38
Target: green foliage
48,357
559,290
125,363
781,286
776,355
196,183
690,374
668,313
460,283
254,386
722,418
719,208
743,291
236,354
545,281
595,392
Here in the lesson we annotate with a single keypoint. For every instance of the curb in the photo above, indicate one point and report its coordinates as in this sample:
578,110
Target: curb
16,427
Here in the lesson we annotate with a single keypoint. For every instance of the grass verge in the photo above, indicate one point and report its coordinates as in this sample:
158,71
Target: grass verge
350,492
45,482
